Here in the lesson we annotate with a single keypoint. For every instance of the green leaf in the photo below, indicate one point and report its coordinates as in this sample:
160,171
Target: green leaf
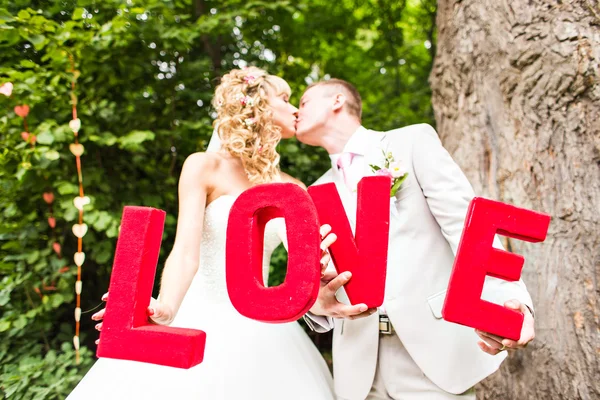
5,15
20,323
45,138
4,325
103,257
23,14
38,41
67,188
4,297
12,245
375,168
20,173
134,139
33,257
70,214
9,37
78,14
11,210
397,185
113,231
57,300
28,64
52,155
366,38
106,139
104,219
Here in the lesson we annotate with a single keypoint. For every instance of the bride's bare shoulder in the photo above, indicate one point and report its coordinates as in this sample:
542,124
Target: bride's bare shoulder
198,167
290,179
204,162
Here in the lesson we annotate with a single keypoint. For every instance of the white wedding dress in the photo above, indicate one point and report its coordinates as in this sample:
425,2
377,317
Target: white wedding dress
243,359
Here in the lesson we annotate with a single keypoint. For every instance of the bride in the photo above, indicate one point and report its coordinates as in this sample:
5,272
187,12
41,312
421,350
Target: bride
244,359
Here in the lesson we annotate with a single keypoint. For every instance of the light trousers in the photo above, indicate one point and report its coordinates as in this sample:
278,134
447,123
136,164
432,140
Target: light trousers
398,377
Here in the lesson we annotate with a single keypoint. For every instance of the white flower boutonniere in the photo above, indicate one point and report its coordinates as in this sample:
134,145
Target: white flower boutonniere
391,168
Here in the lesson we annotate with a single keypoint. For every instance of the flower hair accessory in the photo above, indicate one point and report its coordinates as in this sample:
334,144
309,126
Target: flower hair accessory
249,121
249,79
244,99
247,101
393,169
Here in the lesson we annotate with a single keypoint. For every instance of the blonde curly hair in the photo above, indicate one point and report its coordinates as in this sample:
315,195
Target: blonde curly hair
245,121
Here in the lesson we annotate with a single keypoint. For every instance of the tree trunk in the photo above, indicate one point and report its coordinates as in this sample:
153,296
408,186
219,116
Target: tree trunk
516,95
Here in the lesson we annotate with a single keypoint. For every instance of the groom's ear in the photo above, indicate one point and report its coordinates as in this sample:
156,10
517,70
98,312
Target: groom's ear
339,101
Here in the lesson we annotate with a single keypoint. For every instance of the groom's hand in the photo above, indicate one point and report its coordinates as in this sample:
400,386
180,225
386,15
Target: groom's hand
493,344
328,305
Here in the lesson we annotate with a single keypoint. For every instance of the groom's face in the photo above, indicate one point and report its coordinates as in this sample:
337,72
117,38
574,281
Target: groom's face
314,110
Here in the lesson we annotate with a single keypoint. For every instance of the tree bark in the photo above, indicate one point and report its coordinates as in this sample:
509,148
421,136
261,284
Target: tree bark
516,95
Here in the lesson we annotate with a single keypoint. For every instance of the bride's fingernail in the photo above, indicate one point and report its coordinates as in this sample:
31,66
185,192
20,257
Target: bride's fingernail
363,308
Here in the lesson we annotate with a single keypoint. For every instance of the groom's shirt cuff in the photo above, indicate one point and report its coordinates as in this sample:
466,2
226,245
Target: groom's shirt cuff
318,323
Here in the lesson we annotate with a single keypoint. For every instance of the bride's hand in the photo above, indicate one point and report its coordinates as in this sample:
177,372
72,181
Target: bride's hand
99,316
327,239
158,313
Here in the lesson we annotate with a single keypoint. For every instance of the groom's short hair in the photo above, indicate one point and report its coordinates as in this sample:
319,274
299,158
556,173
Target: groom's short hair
353,103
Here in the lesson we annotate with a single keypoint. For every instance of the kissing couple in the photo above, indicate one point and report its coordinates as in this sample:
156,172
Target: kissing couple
401,350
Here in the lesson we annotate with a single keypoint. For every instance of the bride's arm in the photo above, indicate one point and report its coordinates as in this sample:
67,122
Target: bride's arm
182,263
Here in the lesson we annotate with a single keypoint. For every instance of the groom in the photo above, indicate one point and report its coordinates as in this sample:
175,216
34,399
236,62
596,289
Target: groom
404,349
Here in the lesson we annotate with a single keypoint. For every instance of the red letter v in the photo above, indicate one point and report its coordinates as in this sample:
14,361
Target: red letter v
366,255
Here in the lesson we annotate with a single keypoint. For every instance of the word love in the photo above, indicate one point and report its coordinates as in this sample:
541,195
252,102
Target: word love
126,333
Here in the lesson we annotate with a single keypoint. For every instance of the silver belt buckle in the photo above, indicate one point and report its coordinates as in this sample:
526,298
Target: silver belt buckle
385,326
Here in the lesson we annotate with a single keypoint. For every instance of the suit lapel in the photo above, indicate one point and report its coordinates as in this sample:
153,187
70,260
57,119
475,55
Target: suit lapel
374,153
375,156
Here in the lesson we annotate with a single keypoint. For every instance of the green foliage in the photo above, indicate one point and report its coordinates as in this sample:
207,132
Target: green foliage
145,76
27,375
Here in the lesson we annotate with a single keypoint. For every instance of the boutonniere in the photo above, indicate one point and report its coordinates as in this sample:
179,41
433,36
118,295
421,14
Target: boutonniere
391,168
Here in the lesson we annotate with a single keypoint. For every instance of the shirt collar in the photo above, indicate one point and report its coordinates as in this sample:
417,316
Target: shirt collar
334,160
357,144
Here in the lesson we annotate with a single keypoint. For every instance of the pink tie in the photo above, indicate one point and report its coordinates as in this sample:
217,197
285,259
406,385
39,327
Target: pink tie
343,164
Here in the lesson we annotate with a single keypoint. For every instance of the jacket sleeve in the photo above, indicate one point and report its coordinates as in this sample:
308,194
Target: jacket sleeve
448,194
